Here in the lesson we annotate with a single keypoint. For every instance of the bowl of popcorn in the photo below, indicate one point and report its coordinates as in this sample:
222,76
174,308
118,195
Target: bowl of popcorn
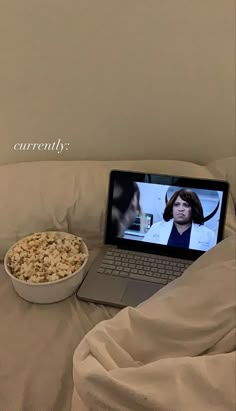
47,267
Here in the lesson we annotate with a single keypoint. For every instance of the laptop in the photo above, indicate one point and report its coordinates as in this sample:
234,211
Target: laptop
175,219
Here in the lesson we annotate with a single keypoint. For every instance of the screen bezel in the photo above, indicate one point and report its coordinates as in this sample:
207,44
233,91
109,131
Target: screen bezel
180,181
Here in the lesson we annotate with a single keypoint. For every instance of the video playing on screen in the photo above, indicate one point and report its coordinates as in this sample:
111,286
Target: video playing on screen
168,215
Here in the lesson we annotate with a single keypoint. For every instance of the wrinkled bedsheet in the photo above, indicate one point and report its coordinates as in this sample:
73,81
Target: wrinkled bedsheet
174,352
37,344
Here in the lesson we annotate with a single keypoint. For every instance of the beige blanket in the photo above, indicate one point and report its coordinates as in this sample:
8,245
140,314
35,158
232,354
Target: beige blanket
174,352
37,343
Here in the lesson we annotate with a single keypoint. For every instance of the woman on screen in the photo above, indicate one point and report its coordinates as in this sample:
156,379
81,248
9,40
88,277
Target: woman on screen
183,224
126,205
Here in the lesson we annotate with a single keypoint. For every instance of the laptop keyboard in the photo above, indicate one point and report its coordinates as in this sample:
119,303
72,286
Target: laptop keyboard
142,266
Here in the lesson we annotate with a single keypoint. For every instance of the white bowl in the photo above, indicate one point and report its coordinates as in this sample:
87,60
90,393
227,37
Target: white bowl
48,292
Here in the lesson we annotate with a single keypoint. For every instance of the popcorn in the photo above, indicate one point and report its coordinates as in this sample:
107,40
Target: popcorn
46,257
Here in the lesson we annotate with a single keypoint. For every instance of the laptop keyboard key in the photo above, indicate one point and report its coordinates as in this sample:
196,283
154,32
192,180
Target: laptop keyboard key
141,272
149,279
123,274
108,261
161,271
134,271
109,266
107,271
157,275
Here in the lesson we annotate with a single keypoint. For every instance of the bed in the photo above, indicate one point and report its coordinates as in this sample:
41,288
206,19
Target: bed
64,356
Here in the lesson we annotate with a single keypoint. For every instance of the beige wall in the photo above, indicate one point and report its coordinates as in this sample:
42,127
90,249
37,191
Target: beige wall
120,79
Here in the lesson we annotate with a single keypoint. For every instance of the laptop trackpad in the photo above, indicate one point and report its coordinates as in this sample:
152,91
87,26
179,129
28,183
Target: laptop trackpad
137,292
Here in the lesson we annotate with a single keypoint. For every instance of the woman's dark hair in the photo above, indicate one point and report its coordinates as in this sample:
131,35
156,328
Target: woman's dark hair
123,193
192,199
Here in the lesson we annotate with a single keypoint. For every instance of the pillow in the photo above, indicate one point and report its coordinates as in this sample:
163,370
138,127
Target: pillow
225,168
70,196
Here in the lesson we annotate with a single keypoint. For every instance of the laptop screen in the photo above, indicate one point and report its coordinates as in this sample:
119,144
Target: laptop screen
174,212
